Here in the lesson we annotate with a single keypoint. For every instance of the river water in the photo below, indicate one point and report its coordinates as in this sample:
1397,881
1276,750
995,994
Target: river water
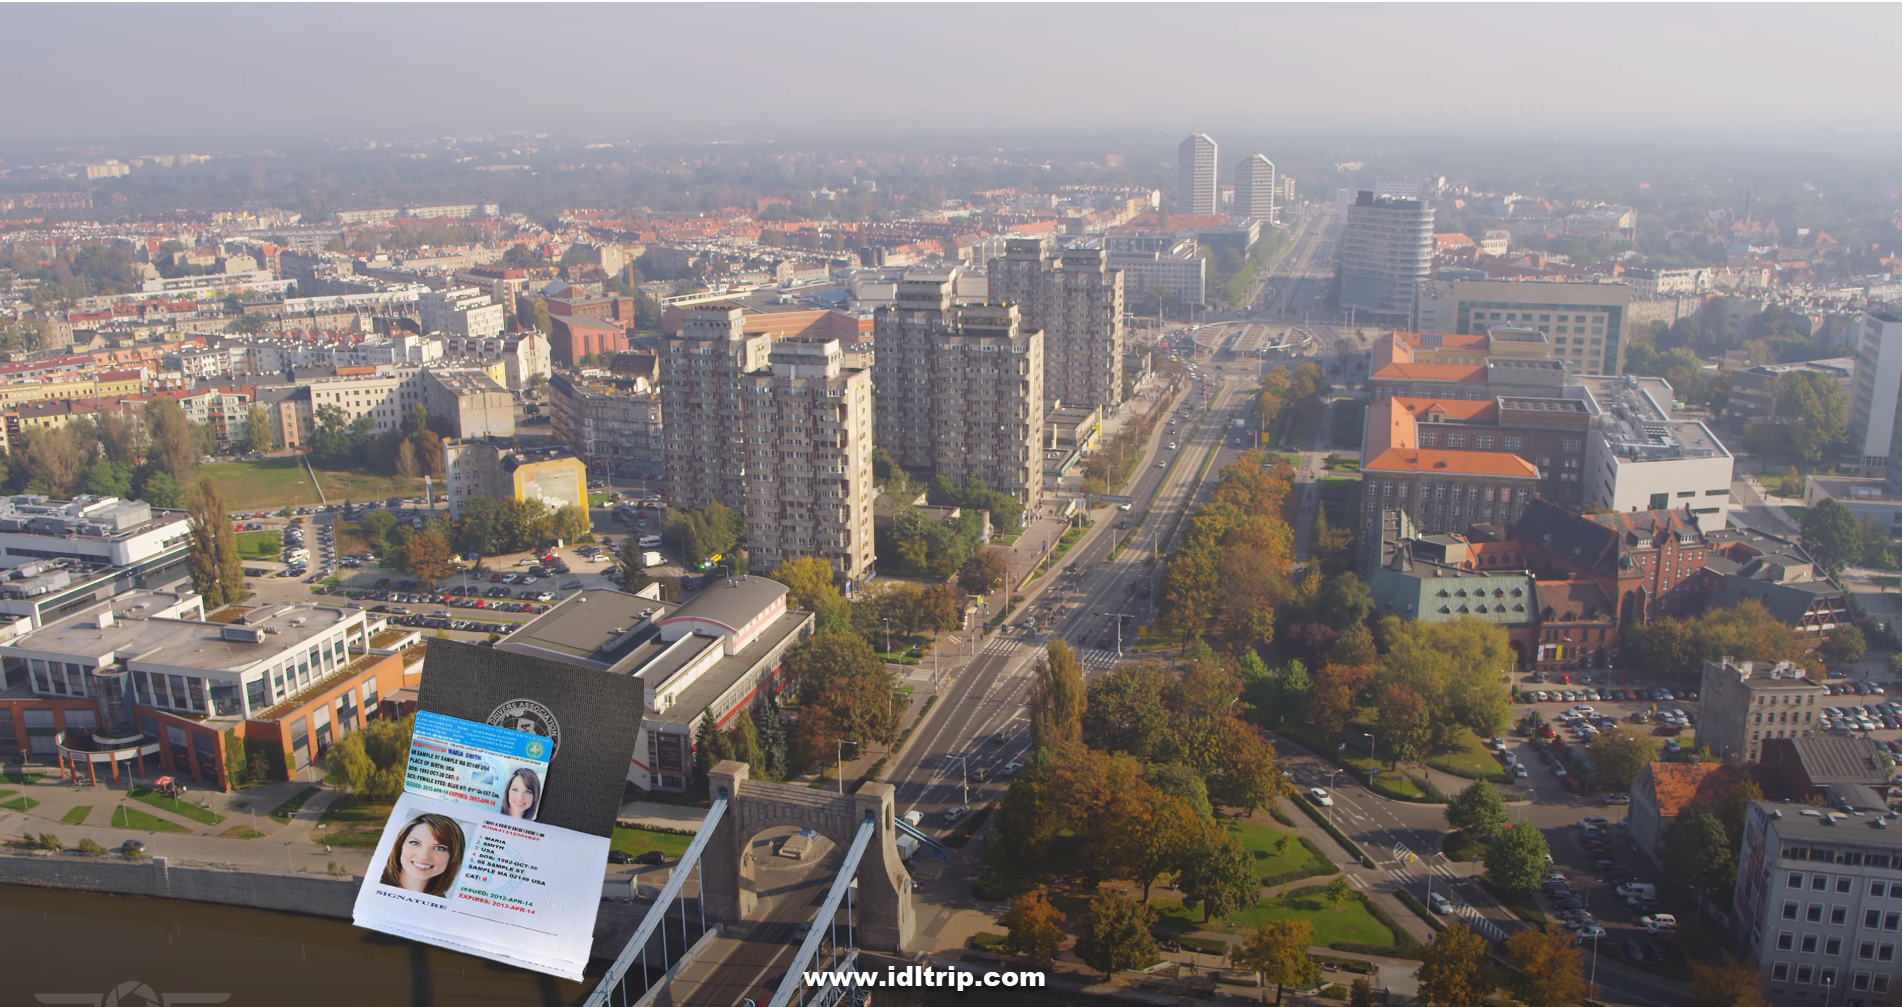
55,941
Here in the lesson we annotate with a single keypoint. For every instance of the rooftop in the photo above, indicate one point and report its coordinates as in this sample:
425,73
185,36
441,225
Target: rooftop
1827,759
1804,823
135,635
82,517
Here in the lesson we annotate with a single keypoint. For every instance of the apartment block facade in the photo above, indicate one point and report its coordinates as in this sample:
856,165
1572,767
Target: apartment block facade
808,428
961,388
702,370
1386,250
615,427
1076,300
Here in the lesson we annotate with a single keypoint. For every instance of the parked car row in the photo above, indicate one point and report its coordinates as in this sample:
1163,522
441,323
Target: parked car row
453,601
1874,717
466,625
1596,695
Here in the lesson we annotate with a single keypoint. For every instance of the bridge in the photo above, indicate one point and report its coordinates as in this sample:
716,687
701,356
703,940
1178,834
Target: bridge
868,902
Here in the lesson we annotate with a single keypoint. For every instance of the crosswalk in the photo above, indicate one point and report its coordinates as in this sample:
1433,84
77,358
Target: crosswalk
1003,645
1101,660
1440,878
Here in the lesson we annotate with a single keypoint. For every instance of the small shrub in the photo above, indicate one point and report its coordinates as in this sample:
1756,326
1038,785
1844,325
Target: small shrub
48,841
90,848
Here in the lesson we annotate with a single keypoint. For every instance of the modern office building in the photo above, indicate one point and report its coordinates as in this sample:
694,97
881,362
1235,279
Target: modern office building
809,459
1639,457
1196,193
702,367
1585,322
1075,297
1818,901
1386,250
1872,411
961,389
1742,703
1255,188
712,658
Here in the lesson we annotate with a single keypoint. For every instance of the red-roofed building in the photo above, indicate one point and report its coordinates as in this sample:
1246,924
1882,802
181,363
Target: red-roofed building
1451,463
1663,790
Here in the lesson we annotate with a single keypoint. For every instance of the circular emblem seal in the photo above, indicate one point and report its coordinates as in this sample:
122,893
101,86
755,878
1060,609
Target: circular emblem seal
529,717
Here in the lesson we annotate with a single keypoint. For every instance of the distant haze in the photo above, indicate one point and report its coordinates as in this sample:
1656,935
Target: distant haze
140,72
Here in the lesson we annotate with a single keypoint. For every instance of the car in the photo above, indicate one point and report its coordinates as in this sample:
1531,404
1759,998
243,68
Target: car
1617,798
132,846
1592,822
618,857
651,858
954,815
1591,933
1659,920
1439,904
573,585
1161,464
1320,796
1579,920
800,931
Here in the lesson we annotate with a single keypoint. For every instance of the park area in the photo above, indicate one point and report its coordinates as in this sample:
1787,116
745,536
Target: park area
271,483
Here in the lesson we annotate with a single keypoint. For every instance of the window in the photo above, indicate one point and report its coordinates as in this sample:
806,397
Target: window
1879,983
1833,946
1866,950
1842,886
1780,971
1572,446
1515,444
1828,976
1839,915
1804,973
1870,917
1819,883
1786,939
1809,944
1814,914
1891,921
1860,982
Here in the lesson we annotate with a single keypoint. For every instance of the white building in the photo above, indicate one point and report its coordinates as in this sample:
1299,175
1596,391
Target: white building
1176,268
1872,412
1255,188
1637,457
461,311
1195,177
102,531
1386,250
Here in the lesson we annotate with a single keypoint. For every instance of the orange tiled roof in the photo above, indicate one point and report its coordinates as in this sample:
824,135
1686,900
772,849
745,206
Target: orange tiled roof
1431,372
1459,409
1674,784
1472,463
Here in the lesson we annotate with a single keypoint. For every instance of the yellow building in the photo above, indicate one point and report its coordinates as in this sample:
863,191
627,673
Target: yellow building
501,472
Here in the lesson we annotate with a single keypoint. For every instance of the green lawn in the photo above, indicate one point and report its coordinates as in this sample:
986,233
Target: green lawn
21,804
242,832
635,842
260,544
1469,758
14,774
77,816
1350,921
283,812
270,483
131,818
1278,853
183,809
353,825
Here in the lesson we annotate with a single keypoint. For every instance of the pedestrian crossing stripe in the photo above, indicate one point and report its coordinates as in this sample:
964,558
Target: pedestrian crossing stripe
1097,658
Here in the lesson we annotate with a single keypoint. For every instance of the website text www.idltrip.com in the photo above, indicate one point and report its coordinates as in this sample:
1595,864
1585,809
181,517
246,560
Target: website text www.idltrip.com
918,975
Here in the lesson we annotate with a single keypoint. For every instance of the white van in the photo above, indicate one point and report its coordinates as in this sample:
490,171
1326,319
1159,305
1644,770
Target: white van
649,541
1637,888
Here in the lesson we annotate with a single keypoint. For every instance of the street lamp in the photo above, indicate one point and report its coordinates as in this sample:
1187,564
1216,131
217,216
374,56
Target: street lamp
888,636
964,772
1119,617
855,754
1370,746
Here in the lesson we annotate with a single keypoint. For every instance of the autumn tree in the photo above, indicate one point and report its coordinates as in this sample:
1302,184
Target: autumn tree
1278,953
984,572
1114,933
1057,697
809,586
428,557
1727,982
1033,926
1733,806
1696,850
1404,729
1549,967
212,548
1219,875
173,444
1453,968
258,433
571,524
1455,668
1125,711
58,458
1149,834
845,694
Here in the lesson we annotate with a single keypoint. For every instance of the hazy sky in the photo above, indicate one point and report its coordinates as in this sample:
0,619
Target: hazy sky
142,72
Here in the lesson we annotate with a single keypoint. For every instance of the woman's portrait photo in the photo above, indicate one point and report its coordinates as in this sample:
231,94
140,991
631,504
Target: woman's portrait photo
523,798
427,856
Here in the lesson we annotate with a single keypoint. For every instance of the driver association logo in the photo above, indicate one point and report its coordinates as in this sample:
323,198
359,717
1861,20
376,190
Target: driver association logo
529,717
132,994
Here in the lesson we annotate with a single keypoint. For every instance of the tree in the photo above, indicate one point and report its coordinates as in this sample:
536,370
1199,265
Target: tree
1832,535
1813,411
1278,953
571,524
1845,645
371,763
1549,967
1727,983
427,557
1033,926
809,586
1733,806
1124,711
173,443
59,458
212,549
540,315
160,490
1618,754
1183,782
258,435
984,572
1337,890
1057,697
1696,850
108,478
845,694
1403,724
1360,993
1148,834
770,728
1220,876
124,436
1114,933
1517,859
1478,812
1454,667
1453,968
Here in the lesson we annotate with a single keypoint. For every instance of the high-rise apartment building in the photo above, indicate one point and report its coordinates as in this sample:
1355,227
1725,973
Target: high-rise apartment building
1255,188
1076,300
809,459
702,367
1195,176
960,389
1386,250
1872,412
